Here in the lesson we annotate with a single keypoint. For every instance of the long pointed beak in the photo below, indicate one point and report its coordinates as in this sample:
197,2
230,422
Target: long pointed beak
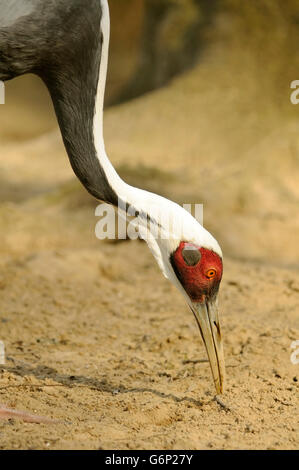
206,315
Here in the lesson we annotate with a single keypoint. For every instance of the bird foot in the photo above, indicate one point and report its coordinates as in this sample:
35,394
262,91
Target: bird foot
10,413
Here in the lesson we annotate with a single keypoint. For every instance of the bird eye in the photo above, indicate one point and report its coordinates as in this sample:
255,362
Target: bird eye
211,273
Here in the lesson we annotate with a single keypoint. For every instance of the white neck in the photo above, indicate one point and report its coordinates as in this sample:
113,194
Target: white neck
117,184
140,199
144,202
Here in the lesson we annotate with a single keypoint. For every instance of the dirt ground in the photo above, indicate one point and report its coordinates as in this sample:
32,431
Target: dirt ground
96,338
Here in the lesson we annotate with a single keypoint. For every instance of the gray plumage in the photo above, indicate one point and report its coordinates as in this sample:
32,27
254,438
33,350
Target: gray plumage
61,42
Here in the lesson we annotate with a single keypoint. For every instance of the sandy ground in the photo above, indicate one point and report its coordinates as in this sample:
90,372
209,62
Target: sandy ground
97,339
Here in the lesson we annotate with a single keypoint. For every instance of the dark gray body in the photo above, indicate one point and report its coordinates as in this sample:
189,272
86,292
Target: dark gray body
61,42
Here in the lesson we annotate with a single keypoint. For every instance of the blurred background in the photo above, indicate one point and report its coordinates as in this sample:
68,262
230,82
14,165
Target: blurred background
198,109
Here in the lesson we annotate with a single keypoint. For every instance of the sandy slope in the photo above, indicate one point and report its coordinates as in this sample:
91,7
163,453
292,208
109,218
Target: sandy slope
96,338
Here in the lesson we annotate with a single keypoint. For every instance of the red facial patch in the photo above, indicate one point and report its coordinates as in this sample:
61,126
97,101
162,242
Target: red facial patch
200,280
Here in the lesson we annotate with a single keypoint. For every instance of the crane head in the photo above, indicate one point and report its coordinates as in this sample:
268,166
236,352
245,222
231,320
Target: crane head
199,272
190,257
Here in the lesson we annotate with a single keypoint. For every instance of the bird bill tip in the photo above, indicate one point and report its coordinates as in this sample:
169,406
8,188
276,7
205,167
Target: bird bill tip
206,315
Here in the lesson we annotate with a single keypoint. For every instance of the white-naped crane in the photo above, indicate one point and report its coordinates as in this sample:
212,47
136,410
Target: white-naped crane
66,44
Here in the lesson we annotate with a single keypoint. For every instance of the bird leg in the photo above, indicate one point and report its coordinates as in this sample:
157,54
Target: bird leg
10,413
